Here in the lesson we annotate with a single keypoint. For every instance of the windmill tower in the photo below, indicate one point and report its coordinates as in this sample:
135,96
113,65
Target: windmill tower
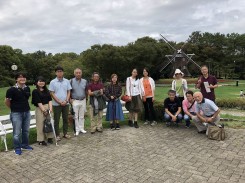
179,59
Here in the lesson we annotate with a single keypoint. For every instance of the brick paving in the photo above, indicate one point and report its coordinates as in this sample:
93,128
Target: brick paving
148,154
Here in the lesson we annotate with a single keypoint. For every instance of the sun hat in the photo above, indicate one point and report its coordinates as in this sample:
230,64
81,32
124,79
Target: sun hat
177,71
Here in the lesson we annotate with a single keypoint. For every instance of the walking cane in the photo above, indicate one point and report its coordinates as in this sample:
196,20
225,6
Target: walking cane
52,123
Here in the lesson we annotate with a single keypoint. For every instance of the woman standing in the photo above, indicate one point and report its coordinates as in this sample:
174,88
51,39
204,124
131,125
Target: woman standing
134,106
179,85
114,111
147,85
42,100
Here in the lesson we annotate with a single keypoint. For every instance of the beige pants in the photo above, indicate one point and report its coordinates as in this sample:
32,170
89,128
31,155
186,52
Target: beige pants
95,123
39,124
201,127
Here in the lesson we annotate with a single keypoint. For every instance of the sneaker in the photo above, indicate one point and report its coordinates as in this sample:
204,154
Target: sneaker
153,123
167,124
50,140
77,133
146,122
187,126
117,126
29,148
18,151
112,126
83,131
136,124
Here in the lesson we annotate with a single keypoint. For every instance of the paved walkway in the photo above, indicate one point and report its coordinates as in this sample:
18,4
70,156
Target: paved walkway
148,154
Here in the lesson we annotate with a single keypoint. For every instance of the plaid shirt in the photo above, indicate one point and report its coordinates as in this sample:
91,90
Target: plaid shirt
113,90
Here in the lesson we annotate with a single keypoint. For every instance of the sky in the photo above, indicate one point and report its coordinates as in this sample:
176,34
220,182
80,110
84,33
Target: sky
57,26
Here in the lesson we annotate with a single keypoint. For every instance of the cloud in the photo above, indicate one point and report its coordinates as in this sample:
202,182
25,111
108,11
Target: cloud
75,25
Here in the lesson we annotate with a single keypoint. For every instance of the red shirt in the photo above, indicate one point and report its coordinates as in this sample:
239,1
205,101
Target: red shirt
211,80
95,86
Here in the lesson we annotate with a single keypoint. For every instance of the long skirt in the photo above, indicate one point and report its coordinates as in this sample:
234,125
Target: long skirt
114,111
135,105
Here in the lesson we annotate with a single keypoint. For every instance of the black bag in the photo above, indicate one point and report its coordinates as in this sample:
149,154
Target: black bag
47,126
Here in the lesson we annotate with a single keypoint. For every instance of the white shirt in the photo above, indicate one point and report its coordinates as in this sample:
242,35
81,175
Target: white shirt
132,87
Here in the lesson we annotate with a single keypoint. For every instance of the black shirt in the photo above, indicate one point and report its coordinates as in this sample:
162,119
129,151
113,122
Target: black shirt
40,97
172,106
19,98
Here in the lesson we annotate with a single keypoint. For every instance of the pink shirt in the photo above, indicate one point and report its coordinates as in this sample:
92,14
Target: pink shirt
186,105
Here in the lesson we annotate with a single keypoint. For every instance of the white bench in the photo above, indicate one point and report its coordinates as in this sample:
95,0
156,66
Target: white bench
8,128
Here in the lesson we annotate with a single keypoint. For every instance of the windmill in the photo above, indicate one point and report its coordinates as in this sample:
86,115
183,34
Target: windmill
179,58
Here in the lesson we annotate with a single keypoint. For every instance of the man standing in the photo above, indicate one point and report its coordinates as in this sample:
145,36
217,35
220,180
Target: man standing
172,107
17,100
78,99
97,103
207,113
189,108
207,83
60,91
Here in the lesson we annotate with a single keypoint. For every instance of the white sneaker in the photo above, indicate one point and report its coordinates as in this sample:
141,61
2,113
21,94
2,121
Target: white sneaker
153,123
77,133
83,131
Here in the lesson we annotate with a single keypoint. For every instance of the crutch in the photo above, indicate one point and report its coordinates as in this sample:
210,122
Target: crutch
52,123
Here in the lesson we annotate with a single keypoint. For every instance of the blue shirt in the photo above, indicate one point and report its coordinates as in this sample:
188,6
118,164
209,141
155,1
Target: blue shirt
207,106
60,88
78,88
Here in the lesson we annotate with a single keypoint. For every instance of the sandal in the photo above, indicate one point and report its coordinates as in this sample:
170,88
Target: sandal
42,143
67,136
58,138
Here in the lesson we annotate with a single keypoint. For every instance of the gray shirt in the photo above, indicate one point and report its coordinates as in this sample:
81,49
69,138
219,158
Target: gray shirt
60,88
207,106
78,88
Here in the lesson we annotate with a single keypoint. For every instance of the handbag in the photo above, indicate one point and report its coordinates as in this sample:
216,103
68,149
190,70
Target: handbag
216,132
125,97
47,126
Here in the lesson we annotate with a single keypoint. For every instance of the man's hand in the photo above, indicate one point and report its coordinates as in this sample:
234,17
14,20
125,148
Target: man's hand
174,118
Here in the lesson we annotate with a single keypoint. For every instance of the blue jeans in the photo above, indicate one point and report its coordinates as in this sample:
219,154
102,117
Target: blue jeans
21,125
188,119
169,118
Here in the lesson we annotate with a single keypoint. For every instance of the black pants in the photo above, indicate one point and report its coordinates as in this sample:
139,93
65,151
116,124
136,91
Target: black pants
149,110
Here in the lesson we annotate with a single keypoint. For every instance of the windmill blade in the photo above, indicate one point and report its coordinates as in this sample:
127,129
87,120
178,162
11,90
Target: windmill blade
189,58
166,41
188,40
167,63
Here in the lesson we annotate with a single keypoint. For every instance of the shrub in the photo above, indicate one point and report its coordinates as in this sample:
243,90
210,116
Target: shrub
238,103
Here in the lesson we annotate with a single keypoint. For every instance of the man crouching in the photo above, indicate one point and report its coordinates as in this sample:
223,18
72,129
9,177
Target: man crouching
207,113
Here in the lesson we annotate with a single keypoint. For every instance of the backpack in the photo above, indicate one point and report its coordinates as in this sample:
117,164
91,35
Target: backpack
216,132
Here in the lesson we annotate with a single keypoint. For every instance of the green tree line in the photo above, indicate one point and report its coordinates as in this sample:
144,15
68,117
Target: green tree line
223,54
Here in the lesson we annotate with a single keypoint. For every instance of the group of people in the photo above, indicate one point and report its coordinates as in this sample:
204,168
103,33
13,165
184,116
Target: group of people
63,93
199,107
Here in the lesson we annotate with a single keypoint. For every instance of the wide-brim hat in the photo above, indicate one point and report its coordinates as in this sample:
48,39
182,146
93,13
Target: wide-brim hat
177,71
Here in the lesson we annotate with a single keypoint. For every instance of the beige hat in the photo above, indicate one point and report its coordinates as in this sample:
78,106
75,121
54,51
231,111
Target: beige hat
177,71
